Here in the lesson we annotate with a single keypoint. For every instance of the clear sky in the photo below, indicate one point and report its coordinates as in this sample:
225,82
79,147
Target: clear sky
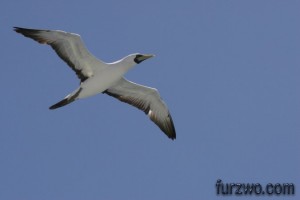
228,70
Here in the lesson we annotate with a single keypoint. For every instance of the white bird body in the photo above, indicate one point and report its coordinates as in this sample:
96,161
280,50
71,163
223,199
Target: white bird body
102,80
99,77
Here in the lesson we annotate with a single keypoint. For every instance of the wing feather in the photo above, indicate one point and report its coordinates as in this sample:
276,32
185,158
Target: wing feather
146,99
68,46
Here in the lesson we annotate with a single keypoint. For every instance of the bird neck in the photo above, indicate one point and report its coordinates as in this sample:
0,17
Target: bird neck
126,65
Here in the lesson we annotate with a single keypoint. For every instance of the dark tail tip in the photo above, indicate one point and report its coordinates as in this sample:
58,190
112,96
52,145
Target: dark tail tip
61,103
66,101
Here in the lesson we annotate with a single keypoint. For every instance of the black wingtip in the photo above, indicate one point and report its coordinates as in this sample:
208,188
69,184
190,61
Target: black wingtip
20,29
25,31
17,29
171,133
172,137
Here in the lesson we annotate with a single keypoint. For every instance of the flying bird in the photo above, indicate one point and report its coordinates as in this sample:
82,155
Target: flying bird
97,76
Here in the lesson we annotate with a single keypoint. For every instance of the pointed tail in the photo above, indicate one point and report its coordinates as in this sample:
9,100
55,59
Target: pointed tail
66,101
61,103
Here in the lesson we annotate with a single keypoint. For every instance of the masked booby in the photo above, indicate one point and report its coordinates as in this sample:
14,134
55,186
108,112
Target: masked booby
97,76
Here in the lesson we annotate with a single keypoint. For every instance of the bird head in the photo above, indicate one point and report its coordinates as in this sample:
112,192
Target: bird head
138,58
133,59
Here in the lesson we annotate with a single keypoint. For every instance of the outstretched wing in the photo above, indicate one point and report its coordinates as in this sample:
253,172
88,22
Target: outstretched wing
69,47
146,99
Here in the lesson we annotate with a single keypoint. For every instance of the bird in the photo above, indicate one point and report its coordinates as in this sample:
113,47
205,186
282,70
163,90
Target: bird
97,76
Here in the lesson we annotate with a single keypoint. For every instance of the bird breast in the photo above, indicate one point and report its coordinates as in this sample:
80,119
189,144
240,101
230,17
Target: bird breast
101,81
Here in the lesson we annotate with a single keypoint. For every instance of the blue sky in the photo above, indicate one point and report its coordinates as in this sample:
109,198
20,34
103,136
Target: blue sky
228,70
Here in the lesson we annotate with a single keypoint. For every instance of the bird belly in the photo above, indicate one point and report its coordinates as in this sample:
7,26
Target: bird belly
99,83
